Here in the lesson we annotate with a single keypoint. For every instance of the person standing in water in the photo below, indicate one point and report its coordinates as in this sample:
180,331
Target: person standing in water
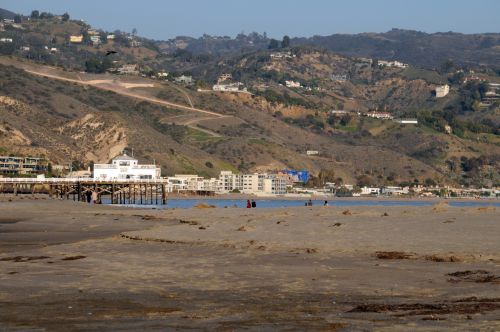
249,205
326,203
254,205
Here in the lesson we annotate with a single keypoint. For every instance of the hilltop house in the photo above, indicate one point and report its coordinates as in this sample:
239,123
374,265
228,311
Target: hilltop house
442,90
6,40
184,79
394,64
76,39
125,167
96,40
406,121
292,84
281,55
230,87
162,75
380,115
224,77
130,69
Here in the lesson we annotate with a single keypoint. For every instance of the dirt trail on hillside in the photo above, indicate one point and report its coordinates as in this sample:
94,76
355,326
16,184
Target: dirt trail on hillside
110,85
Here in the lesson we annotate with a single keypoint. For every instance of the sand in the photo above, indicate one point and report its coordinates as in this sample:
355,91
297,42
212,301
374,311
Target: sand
74,266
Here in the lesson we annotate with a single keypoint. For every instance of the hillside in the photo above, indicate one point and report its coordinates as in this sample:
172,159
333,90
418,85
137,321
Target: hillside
413,47
70,116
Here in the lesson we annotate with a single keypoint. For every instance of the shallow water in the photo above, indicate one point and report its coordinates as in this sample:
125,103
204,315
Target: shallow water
276,203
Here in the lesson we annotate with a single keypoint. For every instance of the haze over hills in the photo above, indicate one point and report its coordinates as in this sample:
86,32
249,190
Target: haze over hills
99,114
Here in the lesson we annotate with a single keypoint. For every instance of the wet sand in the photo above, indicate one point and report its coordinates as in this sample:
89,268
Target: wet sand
73,266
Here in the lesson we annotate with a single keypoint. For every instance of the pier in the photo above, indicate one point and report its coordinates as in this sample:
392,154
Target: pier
126,191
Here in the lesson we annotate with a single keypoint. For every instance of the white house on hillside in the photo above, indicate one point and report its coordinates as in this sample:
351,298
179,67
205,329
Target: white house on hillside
125,167
442,90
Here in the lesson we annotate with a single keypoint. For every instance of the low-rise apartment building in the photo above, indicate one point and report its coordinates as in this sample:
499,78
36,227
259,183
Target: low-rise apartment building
22,165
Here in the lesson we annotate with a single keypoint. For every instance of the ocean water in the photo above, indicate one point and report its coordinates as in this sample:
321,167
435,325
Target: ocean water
276,203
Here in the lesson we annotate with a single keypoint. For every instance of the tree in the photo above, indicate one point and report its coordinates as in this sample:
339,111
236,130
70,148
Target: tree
447,66
35,14
285,42
346,118
65,17
17,18
273,44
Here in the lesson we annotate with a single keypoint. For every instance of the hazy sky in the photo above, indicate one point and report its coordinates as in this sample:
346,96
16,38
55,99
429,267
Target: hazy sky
166,19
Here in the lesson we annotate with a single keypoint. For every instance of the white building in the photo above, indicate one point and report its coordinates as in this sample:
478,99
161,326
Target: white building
76,38
6,40
370,191
388,191
96,40
256,183
191,183
292,84
275,184
125,167
184,79
282,55
128,69
162,75
394,64
380,115
406,121
230,87
442,90
312,152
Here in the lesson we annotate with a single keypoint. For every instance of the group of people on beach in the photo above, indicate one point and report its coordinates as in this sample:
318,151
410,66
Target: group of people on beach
251,204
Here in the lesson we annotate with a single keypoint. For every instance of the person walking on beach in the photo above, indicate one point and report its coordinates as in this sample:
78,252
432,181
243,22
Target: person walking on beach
89,196
254,205
310,203
249,205
94,197
326,203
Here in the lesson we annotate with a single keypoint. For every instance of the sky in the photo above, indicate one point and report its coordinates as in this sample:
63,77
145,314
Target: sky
166,19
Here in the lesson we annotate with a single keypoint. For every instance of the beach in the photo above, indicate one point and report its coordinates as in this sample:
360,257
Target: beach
67,265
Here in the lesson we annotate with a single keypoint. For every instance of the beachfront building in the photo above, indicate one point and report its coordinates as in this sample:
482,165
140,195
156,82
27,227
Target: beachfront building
255,183
22,165
191,183
275,184
395,191
370,191
125,167
442,90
